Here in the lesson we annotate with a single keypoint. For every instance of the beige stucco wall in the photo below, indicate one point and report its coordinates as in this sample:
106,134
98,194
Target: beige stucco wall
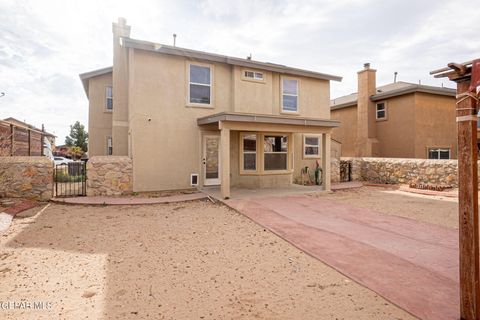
347,132
396,134
414,122
166,149
99,118
435,124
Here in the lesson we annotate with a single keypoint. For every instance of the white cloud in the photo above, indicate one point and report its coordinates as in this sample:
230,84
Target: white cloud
46,44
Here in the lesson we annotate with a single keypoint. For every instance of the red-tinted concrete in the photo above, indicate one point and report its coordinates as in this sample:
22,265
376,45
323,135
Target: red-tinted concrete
130,200
20,206
411,263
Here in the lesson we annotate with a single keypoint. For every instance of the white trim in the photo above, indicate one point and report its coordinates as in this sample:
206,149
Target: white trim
384,110
318,145
211,86
438,150
282,79
206,181
108,98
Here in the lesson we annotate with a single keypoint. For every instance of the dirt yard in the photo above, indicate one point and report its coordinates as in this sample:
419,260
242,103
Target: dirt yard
192,260
438,210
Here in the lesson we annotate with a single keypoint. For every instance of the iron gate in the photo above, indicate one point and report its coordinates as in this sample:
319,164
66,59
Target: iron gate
345,171
70,179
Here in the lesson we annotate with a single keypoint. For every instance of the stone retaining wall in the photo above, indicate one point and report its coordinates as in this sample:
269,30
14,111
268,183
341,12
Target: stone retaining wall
26,177
404,171
335,170
109,176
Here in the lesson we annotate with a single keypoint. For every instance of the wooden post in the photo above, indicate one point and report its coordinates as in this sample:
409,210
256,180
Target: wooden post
467,118
468,204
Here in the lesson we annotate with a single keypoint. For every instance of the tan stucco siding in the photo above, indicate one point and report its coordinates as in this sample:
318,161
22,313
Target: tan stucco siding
99,118
435,124
347,132
167,149
396,134
264,97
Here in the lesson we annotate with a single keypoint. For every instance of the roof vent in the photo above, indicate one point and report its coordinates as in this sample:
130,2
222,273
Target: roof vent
366,66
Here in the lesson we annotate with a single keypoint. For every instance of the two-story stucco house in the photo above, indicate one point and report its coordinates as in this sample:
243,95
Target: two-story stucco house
189,118
397,120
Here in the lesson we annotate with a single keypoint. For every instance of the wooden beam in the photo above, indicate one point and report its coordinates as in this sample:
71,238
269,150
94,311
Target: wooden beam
468,202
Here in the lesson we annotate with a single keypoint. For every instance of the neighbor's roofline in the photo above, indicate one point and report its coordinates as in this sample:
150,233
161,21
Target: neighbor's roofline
95,73
161,48
398,92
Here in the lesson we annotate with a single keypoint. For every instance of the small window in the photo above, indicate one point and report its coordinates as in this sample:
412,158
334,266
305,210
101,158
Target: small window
275,149
311,146
249,152
289,95
438,153
108,98
200,84
253,75
381,111
109,146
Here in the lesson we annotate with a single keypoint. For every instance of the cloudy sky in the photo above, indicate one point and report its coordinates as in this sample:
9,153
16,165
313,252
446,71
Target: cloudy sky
44,45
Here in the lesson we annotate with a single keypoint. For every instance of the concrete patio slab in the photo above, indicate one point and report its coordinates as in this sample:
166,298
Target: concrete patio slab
130,200
411,263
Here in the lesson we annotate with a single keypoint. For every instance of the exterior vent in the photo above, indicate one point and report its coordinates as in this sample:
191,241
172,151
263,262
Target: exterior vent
194,179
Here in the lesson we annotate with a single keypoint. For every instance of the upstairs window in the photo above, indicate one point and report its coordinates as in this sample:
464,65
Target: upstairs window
108,98
381,111
289,95
200,84
275,149
254,75
439,153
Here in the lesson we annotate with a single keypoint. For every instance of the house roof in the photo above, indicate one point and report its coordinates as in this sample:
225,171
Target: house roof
19,123
201,55
391,90
95,73
255,118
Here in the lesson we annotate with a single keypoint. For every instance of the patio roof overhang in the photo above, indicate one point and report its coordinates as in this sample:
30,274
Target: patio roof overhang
254,122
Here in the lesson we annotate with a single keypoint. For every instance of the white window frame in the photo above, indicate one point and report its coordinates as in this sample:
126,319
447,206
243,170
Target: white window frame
109,146
198,104
243,152
255,75
276,152
384,110
108,98
305,145
438,150
289,94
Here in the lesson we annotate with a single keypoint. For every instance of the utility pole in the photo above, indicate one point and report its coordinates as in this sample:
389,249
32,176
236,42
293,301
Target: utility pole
467,109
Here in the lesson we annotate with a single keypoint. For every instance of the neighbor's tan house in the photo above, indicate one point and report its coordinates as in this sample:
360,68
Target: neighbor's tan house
189,118
397,120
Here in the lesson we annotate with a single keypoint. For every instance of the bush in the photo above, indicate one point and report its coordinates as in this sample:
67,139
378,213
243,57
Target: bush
62,176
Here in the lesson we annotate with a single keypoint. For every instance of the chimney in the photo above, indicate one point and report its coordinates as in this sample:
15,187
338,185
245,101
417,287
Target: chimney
120,31
366,144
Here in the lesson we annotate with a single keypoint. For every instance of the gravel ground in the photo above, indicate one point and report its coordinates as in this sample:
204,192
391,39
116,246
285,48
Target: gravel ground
191,260
438,210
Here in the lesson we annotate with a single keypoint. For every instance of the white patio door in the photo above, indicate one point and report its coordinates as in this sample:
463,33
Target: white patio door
211,160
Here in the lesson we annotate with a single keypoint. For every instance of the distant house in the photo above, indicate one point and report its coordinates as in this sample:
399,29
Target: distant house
397,120
18,138
190,118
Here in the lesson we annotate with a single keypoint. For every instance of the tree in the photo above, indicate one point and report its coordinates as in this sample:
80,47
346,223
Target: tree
78,136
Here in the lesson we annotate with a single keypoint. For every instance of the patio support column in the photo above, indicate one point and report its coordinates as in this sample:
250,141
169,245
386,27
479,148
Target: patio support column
326,161
225,162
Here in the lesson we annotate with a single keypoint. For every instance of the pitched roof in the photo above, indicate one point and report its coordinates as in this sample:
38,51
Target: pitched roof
95,73
391,90
19,123
194,54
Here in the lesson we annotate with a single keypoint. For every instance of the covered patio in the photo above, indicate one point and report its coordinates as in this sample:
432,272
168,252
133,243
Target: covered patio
280,130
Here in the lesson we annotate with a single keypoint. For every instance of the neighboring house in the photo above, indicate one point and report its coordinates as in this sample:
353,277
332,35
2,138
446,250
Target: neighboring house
397,120
18,138
190,118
